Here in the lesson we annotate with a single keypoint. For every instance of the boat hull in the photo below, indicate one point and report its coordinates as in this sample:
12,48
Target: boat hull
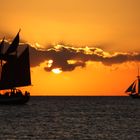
14,100
135,96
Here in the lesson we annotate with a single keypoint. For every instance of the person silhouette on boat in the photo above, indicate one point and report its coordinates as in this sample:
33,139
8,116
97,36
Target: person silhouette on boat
13,92
18,92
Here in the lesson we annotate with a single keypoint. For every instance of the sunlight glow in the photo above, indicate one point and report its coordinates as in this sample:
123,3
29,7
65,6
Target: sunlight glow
87,50
57,47
37,45
57,70
49,63
71,61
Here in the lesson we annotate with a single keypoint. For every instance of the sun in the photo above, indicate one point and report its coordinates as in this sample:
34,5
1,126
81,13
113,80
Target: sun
57,70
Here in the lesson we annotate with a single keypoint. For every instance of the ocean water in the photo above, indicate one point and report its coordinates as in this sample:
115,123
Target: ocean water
72,118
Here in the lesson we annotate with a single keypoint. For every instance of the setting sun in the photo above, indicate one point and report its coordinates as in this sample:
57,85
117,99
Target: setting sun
57,70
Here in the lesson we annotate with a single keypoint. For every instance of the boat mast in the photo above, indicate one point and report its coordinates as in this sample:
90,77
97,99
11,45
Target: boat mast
18,35
138,70
138,81
1,50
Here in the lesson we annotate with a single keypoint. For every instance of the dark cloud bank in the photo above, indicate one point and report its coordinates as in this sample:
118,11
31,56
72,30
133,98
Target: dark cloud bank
67,58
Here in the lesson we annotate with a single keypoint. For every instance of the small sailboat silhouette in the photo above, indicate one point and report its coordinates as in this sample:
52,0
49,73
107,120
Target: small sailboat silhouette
134,88
15,72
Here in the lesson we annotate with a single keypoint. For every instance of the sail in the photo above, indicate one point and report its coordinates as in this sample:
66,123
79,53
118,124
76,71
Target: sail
13,46
16,72
7,80
130,88
133,88
23,77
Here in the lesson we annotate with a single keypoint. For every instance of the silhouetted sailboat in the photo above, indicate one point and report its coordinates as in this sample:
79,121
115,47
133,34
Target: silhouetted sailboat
134,88
15,72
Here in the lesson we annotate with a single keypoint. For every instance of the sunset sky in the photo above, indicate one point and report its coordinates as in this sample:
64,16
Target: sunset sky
78,47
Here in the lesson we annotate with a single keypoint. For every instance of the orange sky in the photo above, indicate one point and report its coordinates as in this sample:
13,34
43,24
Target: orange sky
95,79
110,24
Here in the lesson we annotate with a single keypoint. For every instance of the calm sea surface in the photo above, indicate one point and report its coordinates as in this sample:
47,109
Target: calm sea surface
72,118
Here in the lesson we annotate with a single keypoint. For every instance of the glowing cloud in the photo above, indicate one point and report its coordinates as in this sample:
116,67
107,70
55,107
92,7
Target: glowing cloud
66,58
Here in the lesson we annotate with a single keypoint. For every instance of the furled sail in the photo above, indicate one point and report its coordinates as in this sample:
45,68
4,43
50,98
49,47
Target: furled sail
13,46
130,88
16,71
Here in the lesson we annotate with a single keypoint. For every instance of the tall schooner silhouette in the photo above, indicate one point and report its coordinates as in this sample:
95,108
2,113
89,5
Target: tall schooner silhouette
15,72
